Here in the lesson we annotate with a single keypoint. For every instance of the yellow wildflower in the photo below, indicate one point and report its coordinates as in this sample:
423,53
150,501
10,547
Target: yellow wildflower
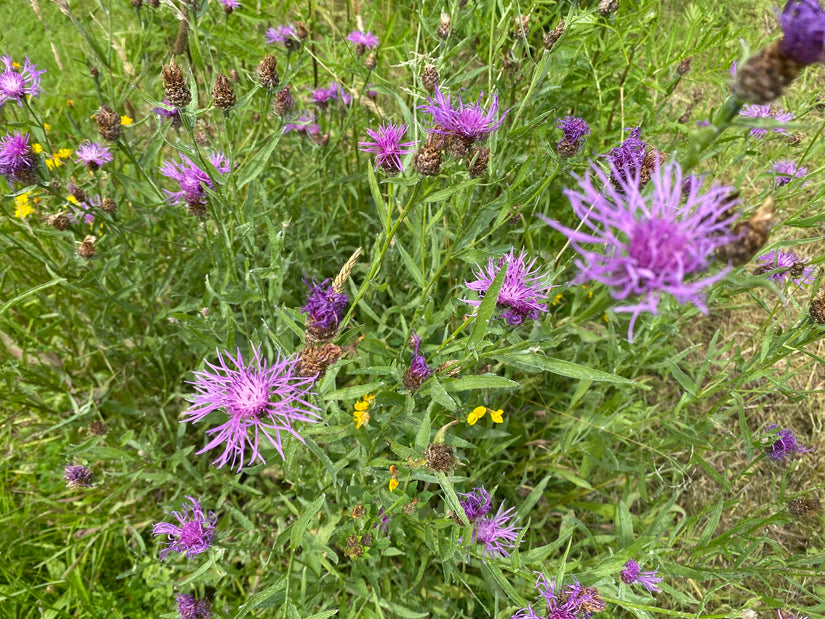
557,299
478,413
23,208
361,415
69,102
393,483
64,153
497,416
46,126
37,148
72,199
125,121
15,65
54,162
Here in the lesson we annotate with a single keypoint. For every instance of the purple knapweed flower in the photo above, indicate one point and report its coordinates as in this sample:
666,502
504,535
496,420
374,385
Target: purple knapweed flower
785,445
362,41
387,147
190,607
783,265
627,158
305,123
567,604
336,91
803,31
418,371
280,34
477,503
703,123
469,121
77,476
194,534
324,308
632,573
574,131
85,211
787,170
192,179
383,525
258,398
648,245
733,68
322,96
766,111
17,159
497,533
93,155
230,5
167,110
16,82
522,292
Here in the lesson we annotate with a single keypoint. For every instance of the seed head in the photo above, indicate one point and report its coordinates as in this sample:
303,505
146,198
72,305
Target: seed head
817,311
427,161
314,360
608,7
749,236
554,35
283,103
439,458
477,162
108,205
222,93
108,123
98,428
443,30
86,248
429,78
804,506
59,221
684,66
177,92
522,27
370,62
268,72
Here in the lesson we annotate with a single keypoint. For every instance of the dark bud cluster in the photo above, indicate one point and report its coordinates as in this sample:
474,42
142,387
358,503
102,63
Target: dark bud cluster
86,248
804,506
817,310
752,236
429,78
108,123
554,35
443,30
222,93
439,458
283,103
174,84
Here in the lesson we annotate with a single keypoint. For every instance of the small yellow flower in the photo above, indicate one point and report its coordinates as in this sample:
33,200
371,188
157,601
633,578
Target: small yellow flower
478,413
69,102
46,126
53,163
557,299
64,153
15,65
72,199
361,418
393,483
497,416
23,208
125,121
37,148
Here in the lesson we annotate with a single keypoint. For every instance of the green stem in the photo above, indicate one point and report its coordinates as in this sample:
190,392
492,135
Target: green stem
707,136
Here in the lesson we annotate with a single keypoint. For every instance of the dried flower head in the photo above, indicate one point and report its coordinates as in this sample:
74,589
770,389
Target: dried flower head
477,162
804,506
429,78
785,445
108,123
632,574
268,72
86,247
553,36
283,103
98,428
108,205
444,27
192,536
17,82
439,457
817,310
174,84
222,93
77,476
427,160
93,155
683,68
748,236
418,371
189,607
387,147
608,7
314,360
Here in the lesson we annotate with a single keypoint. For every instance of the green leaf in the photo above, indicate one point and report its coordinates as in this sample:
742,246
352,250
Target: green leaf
711,526
255,166
624,525
486,309
353,393
471,383
443,194
412,267
383,213
451,497
422,437
566,368
440,395
300,526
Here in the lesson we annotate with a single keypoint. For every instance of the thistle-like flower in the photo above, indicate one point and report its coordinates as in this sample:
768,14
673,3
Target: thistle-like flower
632,573
787,170
785,445
17,159
230,5
574,131
192,536
16,82
648,245
574,602
766,111
627,158
166,110
304,124
93,155
77,476
193,181
190,607
282,34
497,533
258,398
523,291
387,147
418,371
468,122
783,265
324,309
476,503
362,41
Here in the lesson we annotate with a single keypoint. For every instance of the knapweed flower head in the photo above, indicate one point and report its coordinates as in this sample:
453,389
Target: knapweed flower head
322,96
281,34
192,535
783,265
93,155
572,602
190,607
324,309
766,111
785,445
632,573
627,158
648,245
17,160
469,121
362,41
17,82
167,110
304,124
84,211
787,170
260,400
77,476
418,371
523,292
476,503
193,180
574,131
230,5
803,31
497,532
387,147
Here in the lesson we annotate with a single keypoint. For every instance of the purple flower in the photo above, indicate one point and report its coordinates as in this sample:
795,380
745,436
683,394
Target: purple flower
785,444
691,182
786,171
324,307
322,96
259,397
733,68
468,121
787,615
167,110
703,123
305,123
382,525
574,131
477,503
77,476
16,157
93,155
632,573
337,91
85,211
362,40
192,179
19,81
281,34
497,533
785,264
418,371
766,111
567,604
522,292
388,147
230,5
626,159
803,31
648,245
193,536
189,607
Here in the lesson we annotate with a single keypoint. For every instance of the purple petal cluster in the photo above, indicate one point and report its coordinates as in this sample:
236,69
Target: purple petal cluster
497,532
786,444
280,34
476,503
387,147
470,121
632,573
166,110
85,211
230,5
787,170
418,371
324,307
193,180
366,39
523,291
766,111
574,131
783,265
93,155
16,156
305,123
259,399
574,602
334,92
189,607
15,83
626,159
193,533
803,31
77,476
648,245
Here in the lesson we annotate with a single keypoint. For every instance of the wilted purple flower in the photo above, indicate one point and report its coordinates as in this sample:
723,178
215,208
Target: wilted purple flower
648,245
522,292
574,599
733,67
468,121
418,371
281,34
362,41
190,607
167,110
256,397
497,533
93,155
305,123
785,445
574,131
387,147
230,5
803,31
336,91
785,264
192,179
626,159
477,503
322,96
193,536
17,159
85,211
77,476
324,307
766,111
786,170
632,573
16,82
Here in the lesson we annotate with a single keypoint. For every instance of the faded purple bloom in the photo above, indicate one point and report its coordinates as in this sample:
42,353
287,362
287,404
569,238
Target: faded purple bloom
322,96
166,110
803,31
785,445
85,211
418,371
632,573
522,292
786,170
77,476
257,397
733,68
469,121
648,245
387,147
626,159
766,111
325,307
305,123
336,91
787,615
190,607
690,183
703,123
477,503
574,131
367,39
93,155
193,536
281,34
230,5
192,179
383,525
15,83
574,599
497,533
783,265
16,157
